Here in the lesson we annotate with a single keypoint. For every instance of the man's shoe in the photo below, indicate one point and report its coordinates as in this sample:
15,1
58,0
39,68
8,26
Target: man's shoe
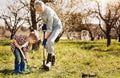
46,68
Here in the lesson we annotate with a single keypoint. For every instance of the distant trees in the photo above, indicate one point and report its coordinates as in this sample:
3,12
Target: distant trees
117,28
73,23
75,15
110,18
66,12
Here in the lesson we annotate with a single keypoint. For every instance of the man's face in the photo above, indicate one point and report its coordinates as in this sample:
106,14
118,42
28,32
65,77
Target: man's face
38,9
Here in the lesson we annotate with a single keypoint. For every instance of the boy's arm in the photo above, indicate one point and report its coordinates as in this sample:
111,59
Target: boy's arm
16,44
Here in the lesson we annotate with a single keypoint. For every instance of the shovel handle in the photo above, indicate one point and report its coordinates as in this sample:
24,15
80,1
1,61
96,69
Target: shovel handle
22,53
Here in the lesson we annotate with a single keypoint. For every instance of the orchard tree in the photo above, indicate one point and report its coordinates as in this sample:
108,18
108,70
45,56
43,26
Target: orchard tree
13,17
110,18
117,28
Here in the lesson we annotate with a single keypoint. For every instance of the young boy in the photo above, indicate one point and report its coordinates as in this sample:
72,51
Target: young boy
22,42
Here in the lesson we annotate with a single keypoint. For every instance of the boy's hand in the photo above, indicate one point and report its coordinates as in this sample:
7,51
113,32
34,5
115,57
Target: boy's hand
23,49
26,59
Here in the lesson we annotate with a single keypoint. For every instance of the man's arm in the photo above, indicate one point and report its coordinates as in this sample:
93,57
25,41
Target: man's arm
47,34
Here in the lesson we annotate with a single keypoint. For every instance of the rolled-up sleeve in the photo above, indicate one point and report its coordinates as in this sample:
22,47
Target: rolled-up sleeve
49,23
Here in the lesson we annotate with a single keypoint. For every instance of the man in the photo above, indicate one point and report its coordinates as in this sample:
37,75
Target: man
53,26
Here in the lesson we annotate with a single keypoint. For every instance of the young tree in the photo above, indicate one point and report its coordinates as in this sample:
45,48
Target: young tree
110,18
13,17
32,19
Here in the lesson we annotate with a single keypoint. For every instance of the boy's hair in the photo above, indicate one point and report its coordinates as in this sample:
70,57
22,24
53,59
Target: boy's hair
34,35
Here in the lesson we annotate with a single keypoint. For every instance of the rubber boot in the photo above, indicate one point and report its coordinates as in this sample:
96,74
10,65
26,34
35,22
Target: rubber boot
22,66
48,63
17,68
53,60
49,58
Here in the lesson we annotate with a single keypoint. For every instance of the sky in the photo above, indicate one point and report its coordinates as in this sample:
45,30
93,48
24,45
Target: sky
3,4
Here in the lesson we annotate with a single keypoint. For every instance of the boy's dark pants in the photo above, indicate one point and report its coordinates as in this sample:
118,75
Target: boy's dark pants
19,61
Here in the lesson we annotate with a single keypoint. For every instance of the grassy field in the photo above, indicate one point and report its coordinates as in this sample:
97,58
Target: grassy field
73,59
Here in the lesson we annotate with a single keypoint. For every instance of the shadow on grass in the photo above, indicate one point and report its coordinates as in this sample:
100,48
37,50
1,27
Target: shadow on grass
82,42
6,44
117,53
6,71
11,72
74,42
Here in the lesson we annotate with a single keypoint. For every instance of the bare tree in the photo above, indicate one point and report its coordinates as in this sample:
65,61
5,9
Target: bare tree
110,18
14,17
32,19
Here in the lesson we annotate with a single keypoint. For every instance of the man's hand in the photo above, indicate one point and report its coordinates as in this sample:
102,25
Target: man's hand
44,27
44,42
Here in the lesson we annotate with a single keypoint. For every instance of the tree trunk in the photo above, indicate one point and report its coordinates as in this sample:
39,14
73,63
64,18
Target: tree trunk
11,37
92,38
118,37
108,40
34,24
108,30
33,15
12,34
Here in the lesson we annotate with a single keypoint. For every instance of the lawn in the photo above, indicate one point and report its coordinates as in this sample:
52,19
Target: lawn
73,58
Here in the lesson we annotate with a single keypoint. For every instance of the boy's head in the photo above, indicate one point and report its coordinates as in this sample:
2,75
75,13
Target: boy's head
33,37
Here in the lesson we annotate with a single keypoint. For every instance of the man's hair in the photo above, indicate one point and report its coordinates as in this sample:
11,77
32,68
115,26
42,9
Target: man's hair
39,3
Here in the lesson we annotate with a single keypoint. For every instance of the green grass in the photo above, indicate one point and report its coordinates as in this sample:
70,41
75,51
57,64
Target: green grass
72,59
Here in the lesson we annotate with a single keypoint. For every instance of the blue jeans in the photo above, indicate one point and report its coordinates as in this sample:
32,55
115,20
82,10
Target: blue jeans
19,61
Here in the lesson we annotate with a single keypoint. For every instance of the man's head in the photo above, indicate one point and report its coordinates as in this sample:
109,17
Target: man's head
33,37
39,6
